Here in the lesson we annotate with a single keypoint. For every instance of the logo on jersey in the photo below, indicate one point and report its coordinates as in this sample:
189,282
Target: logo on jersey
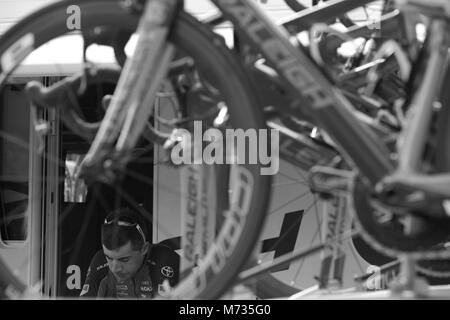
146,288
167,271
102,266
121,287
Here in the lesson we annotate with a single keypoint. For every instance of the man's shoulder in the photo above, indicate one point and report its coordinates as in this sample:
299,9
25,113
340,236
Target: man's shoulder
98,264
162,253
104,287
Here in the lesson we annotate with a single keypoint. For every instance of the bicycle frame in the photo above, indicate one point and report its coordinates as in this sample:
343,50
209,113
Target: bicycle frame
316,94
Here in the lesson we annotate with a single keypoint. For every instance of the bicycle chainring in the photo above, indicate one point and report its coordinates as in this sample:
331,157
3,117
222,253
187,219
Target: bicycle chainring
388,232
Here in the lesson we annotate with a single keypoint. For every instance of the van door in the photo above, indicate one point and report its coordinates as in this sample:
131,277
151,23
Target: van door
20,185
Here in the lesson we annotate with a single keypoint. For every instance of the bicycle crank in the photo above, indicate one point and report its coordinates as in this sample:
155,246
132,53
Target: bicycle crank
393,230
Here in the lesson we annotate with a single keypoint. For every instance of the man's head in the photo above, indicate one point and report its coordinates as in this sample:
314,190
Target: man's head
124,243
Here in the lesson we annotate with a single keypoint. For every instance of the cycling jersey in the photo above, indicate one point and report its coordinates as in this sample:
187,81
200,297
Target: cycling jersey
139,286
161,264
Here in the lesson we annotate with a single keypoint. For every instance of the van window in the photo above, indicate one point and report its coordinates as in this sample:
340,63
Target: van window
14,164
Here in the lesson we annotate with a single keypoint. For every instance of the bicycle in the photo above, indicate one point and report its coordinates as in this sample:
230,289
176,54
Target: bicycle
438,272
435,271
289,290
328,105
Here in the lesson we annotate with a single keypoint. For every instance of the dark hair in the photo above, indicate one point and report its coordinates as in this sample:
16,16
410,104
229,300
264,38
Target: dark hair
115,236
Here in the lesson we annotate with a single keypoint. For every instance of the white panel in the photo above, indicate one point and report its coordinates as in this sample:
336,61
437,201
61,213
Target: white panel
12,11
274,8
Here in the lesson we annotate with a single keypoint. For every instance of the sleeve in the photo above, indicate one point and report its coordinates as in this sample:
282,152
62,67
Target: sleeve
98,269
103,288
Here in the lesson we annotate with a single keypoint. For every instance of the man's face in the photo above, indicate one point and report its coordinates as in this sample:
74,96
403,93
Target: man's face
124,262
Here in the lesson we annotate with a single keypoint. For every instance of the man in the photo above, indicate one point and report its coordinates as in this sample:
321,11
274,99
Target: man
133,268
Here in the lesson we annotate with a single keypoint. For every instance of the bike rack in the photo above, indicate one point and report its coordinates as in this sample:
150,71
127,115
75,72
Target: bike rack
408,286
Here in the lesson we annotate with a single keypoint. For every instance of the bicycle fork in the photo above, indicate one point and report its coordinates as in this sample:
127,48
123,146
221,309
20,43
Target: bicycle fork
134,96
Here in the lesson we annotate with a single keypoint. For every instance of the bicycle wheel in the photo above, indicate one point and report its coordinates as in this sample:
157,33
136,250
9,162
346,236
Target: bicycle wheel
209,61
294,223
306,213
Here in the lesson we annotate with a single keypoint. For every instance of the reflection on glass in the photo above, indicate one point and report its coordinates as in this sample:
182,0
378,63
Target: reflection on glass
75,190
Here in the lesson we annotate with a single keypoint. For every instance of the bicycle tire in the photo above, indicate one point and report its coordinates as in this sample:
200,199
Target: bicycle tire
213,58
443,129
438,271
